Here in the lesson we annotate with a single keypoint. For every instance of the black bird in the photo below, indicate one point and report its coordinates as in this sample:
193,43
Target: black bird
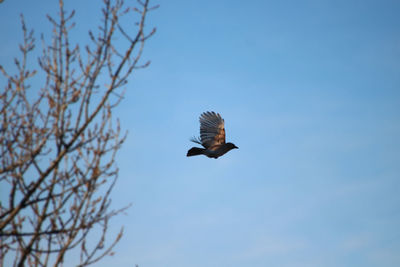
212,137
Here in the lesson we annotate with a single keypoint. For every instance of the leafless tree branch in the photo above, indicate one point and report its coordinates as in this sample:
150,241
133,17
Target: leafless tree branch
57,150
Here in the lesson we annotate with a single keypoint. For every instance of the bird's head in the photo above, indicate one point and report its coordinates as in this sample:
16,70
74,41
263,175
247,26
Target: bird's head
231,146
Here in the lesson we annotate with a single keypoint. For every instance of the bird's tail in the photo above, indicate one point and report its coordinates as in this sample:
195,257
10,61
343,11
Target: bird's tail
194,151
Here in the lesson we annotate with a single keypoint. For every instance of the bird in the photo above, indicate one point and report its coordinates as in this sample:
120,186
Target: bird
212,137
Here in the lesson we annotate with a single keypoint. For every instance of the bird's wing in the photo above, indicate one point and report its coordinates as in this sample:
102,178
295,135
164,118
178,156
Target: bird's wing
212,131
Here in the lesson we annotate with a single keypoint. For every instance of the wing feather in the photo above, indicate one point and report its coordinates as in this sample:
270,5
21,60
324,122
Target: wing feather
212,129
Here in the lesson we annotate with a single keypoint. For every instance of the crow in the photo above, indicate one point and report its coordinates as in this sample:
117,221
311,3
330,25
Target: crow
212,137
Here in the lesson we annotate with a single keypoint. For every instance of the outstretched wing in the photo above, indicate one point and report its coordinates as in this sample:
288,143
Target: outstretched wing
212,131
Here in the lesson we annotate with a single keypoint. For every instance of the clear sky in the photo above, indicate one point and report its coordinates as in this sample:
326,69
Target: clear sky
310,93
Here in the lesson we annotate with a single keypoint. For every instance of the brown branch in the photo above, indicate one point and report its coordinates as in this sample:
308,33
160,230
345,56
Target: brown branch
58,151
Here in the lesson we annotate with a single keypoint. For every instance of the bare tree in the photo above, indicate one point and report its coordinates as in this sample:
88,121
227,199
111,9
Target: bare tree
57,150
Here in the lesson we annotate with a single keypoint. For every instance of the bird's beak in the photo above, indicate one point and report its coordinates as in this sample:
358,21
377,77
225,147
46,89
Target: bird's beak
235,147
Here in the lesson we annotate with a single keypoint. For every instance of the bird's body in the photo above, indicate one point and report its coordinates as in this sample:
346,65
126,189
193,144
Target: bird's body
212,137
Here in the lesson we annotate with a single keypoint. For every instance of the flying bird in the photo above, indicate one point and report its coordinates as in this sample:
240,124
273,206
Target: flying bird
212,137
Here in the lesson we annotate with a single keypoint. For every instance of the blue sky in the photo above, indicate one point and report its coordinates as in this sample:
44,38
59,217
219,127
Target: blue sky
310,93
